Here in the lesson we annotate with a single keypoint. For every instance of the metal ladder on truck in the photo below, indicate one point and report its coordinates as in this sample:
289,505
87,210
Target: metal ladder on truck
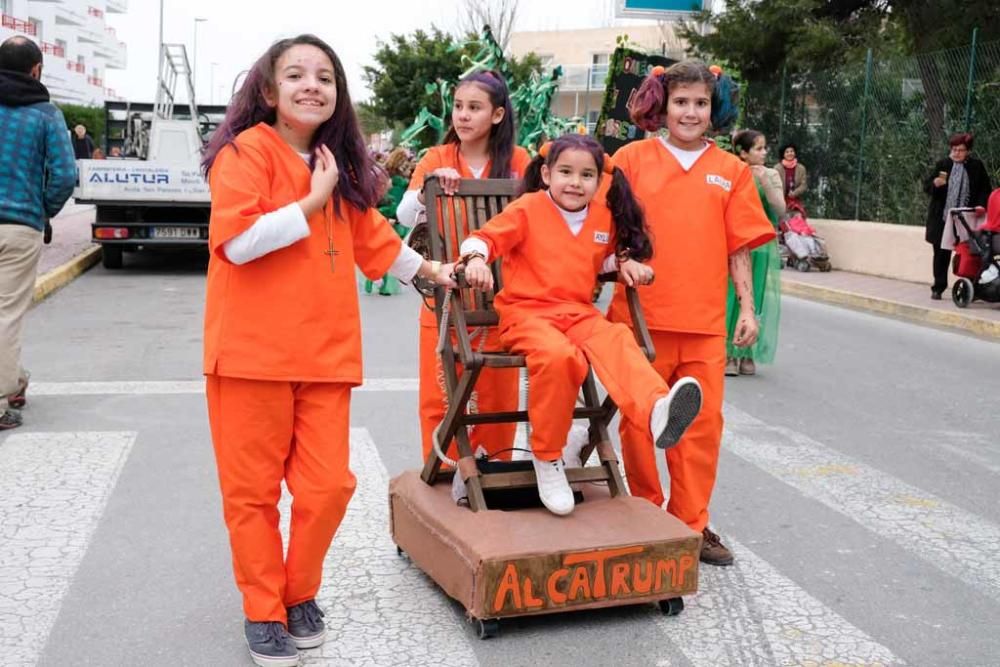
171,139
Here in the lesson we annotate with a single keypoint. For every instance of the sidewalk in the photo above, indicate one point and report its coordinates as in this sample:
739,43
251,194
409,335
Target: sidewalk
70,253
897,298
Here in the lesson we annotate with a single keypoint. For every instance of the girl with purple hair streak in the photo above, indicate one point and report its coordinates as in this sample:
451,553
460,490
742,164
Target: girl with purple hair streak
294,195
479,144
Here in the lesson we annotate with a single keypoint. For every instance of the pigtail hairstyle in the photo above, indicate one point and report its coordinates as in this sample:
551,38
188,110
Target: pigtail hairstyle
501,142
649,105
532,180
360,178
630,222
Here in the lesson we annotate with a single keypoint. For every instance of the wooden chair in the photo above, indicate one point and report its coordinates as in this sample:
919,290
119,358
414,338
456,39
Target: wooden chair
475,202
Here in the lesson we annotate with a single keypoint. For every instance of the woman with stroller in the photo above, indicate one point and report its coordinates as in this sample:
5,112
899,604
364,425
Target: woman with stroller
957,180
765,261
794,178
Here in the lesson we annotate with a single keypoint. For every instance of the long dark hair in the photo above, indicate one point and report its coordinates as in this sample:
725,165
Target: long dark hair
649,104
360,178
501,142
630,223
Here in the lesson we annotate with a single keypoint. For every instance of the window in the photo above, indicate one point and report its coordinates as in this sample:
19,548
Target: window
592,117
61,44
599,69
36,25
5,7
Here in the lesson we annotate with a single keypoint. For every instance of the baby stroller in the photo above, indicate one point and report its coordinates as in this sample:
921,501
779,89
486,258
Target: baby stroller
799,245
975,263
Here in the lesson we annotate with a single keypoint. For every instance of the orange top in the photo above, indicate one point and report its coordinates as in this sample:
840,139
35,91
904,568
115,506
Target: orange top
545,267
286,315
448,155
697,219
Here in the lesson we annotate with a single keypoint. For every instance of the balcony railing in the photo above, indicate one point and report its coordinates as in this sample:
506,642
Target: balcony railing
94,11
53,49
17,25
583,77
95,81
75,67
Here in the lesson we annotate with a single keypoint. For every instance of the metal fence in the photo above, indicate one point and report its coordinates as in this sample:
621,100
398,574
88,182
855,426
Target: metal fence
870,134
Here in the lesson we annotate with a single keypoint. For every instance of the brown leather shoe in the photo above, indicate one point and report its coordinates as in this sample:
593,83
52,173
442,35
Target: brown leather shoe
713,551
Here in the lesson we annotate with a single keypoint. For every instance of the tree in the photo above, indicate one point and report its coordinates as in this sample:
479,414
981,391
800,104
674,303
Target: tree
90,117
405,66
499,15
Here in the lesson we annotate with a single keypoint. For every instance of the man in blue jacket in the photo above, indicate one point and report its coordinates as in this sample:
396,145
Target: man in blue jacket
37,178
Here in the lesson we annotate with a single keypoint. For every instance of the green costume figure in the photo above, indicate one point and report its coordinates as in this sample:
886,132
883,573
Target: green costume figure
399,165
765,263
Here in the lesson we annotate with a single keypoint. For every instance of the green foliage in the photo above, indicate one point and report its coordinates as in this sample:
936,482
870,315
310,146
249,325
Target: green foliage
90,117
369,119
410,68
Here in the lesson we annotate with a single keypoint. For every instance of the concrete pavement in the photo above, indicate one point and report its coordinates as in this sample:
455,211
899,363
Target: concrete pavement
857,487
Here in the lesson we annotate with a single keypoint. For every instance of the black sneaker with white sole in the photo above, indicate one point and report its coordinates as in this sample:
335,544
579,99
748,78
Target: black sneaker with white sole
673,414
305,625
270,644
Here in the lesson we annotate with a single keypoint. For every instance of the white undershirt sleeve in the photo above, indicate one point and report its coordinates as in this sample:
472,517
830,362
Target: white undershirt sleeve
272,231
406,264
472,244
610,264
409,208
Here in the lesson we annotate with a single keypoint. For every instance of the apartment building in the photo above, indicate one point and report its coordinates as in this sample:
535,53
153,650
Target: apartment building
78,45
584,56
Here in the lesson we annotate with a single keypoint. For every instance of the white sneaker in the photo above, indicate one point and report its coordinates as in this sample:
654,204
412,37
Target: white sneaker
578,438
553,488
673,413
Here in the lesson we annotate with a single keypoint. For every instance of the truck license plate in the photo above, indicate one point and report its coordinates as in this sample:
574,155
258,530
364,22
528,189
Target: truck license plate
175,233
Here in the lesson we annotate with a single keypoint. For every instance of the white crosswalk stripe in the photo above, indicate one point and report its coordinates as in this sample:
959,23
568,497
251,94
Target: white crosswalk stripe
53,489
959,543
749,614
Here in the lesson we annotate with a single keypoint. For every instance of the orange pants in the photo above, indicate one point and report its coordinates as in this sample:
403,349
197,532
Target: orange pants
559,350
693,462
263,432
496,391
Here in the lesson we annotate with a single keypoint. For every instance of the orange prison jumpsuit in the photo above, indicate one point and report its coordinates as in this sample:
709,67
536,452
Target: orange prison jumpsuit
546,314
697,219
496,389
282,351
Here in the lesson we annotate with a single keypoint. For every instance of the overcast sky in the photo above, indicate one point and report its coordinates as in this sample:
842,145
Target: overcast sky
237,32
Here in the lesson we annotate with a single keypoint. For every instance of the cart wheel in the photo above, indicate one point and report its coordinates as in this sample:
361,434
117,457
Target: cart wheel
671,607
802,265
962,292
487,628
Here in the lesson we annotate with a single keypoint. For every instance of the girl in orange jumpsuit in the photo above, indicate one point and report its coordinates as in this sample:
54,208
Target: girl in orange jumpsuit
293,210
554,241
704,212
479,144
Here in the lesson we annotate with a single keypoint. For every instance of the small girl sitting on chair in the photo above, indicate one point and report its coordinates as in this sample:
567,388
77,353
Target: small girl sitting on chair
554,241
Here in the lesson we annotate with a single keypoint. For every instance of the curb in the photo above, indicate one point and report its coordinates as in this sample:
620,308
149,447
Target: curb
64,274
905,311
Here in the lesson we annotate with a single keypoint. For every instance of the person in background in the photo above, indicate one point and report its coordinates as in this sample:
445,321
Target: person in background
957,180
115,152
793,176
36,180
98,154
765,263
83,145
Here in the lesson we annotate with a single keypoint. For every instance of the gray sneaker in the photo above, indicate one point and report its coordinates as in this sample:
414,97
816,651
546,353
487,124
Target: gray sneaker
9,418
305,625
270,645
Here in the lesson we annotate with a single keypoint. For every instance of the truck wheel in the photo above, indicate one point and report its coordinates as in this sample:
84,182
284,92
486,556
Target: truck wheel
111,257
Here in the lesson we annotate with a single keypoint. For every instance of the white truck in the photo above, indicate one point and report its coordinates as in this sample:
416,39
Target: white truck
154,195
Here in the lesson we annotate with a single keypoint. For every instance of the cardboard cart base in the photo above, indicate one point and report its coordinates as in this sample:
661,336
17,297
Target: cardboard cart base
497,564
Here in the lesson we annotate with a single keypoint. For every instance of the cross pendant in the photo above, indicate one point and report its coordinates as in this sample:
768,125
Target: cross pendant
332,253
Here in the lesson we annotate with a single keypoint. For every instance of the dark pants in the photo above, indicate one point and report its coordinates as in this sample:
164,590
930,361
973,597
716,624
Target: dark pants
942,260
